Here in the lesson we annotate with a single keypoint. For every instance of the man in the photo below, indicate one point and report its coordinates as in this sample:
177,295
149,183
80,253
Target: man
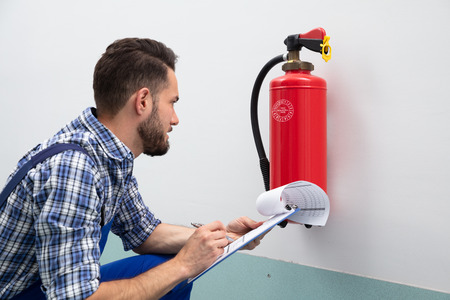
52,223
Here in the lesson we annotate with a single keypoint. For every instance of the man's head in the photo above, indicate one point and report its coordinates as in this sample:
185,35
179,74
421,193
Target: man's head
153,130
126,66
135,89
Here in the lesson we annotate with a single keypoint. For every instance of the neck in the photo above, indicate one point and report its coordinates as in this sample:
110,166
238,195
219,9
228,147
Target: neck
124,130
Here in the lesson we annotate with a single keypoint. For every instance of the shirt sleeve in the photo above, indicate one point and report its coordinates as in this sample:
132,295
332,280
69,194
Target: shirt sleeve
134,222
67,225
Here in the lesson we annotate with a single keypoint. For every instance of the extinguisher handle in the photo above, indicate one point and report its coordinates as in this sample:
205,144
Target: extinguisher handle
311,40
264,162
294,42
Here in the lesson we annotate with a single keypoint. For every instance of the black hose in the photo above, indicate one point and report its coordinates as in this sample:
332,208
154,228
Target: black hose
263,161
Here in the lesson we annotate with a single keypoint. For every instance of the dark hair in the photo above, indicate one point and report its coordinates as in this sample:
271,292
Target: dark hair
126,66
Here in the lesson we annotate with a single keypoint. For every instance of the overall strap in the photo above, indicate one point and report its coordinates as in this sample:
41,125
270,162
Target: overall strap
35,290
34,160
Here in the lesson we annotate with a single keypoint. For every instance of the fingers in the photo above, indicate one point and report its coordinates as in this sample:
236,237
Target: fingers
253,244
241,226
249,223
214,226
214,234
201,250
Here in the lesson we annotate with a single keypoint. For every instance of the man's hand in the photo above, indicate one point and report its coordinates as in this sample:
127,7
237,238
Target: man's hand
203,248
241,226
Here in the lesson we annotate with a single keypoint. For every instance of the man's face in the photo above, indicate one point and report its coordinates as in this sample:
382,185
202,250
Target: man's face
153,131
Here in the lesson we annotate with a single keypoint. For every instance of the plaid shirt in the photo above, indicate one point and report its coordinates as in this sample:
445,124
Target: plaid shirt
50,225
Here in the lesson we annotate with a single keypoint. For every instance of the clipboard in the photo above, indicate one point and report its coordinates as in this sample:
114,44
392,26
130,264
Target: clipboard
247,238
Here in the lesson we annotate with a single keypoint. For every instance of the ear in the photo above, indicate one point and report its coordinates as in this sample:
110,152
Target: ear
143,101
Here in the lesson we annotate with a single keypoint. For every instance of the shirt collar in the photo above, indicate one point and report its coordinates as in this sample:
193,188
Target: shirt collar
111,144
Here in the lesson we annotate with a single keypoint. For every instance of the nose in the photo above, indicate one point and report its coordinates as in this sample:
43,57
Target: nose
174,121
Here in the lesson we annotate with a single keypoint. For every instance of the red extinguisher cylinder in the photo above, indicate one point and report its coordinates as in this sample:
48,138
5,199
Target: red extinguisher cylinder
298,129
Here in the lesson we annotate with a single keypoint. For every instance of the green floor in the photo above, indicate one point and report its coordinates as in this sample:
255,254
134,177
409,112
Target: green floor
244,276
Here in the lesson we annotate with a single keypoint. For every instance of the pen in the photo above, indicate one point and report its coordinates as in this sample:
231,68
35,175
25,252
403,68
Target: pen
197,225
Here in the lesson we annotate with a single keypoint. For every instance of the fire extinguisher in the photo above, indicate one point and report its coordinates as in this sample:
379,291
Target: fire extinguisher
298,124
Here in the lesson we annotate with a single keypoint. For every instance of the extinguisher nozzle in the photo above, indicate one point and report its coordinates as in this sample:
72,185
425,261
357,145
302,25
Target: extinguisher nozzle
265,170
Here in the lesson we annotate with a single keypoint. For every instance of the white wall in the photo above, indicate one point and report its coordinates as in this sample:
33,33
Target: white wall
389,116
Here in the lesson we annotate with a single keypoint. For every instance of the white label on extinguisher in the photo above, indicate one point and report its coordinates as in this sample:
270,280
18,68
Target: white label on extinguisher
282,110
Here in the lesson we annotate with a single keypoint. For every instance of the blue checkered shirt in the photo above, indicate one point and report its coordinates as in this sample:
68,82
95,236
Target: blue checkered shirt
50,226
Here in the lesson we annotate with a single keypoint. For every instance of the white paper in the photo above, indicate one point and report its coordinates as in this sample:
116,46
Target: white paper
312,201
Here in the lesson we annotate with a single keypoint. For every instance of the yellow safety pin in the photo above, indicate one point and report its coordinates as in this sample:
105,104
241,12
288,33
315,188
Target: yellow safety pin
326,49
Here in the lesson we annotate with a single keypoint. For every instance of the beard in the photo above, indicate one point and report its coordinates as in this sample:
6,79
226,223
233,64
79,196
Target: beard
153,135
